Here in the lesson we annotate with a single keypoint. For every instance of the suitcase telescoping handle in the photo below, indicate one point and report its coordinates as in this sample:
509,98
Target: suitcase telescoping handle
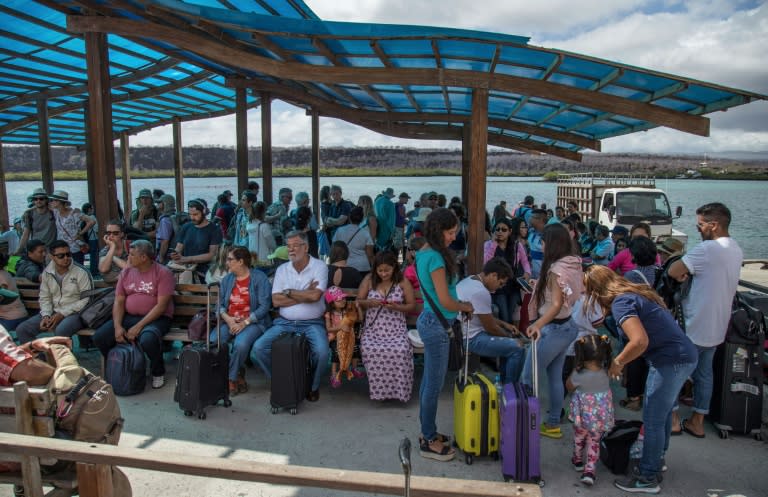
465,331
405,461
208,319
535,366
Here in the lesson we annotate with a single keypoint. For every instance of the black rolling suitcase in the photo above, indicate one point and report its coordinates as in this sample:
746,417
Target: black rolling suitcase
291,372
202,377
737,394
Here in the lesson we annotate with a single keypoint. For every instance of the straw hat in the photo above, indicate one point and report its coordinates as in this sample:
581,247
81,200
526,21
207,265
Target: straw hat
60,195
423,213
38,192
672,246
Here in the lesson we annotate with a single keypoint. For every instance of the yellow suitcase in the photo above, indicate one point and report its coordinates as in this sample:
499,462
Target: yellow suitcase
476,416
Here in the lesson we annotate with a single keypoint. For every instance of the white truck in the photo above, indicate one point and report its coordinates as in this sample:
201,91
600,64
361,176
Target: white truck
616,199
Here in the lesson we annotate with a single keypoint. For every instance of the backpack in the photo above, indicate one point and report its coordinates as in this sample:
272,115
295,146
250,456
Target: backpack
522,211
616,444
99,310
126,369
85,406
671,291
178,220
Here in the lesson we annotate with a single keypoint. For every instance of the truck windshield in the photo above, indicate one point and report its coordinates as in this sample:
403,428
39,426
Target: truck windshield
634,207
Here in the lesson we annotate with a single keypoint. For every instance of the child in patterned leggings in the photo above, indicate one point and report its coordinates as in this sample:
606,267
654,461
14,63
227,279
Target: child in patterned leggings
591,407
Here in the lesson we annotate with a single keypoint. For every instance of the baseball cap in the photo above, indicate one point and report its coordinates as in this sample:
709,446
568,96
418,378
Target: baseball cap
620,230
334,294
279,253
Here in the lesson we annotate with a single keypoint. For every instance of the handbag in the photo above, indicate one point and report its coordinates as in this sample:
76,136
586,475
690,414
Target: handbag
198,326
99,310
455,346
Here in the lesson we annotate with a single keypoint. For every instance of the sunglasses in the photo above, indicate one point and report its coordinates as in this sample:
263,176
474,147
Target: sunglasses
502,230
113,232
61,256
40,198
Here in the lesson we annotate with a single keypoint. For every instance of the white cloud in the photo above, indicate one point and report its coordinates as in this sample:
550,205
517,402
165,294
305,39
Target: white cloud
720,41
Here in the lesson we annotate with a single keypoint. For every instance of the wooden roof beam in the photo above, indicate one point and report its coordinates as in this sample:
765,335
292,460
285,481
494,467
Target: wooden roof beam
222,53
388,64
528,145
76,89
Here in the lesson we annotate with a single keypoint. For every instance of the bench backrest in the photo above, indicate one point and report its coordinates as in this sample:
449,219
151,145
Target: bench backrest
36,400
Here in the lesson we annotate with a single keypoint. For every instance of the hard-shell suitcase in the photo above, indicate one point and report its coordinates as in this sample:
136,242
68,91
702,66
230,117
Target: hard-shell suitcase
475,412
520,439
202,377
291,375
737,393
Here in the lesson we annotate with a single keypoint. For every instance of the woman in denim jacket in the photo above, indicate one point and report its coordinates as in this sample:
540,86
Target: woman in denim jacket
245,298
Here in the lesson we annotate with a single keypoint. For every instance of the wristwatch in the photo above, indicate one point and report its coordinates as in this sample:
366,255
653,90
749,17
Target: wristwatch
287,292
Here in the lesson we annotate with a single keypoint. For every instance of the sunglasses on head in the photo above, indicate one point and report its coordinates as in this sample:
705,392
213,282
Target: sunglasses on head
63,255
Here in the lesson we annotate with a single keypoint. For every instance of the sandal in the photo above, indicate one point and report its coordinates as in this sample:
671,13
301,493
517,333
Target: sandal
242,386
548,432
444,454
633,404
335,382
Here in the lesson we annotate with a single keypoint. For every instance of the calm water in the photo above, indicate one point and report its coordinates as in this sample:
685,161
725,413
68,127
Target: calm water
745,199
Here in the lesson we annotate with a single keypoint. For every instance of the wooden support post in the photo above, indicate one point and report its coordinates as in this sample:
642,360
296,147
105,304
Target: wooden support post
241,132
125,164
94,480
475,200
465,160
101,171
4,217
316,164
266,147
178,170
44,138
30,465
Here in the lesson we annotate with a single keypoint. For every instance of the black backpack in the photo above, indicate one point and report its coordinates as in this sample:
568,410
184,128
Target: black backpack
671,291
126,369
615,445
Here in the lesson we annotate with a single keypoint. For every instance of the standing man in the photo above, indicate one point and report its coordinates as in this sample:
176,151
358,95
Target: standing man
278,214
398,237
61,284
145,217
39,221
254,187
297,291
385,218
143,308
198,240
338,212
500,212
714,265
538,220
488,336
525,211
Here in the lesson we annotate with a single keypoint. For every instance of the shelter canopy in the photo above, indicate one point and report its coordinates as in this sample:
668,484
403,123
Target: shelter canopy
170,58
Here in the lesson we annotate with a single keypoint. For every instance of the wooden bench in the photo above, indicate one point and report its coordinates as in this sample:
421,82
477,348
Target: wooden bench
23,411
188,299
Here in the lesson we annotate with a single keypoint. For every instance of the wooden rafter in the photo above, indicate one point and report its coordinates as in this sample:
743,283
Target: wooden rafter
388,64
439,65
391,75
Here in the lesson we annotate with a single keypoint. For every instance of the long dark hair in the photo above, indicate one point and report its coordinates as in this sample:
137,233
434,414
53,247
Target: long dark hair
389,258
557,244
438,221
510,251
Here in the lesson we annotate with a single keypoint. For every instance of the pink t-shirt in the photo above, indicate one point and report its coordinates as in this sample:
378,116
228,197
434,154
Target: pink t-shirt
622,262
142,289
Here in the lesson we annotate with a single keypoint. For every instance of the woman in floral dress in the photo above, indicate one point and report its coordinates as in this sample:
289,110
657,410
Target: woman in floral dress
387,354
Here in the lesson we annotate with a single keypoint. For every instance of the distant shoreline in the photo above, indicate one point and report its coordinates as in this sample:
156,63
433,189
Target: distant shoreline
299,172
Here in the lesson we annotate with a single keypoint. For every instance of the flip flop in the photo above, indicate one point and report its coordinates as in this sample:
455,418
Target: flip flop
689,431
678,432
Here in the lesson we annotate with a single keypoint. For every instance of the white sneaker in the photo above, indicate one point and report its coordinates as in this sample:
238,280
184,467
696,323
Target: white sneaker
158,381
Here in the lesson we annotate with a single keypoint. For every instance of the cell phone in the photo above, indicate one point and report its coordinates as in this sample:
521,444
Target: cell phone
527,288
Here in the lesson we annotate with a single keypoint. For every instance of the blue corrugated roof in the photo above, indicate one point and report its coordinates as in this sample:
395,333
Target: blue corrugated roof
182,59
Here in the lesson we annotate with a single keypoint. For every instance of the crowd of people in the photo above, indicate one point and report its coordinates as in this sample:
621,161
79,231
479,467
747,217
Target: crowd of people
548,276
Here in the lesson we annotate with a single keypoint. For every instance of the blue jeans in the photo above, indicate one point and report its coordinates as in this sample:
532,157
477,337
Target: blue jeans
313,329
436,341
29,329
11,324
241,344
510,352
507,304
551,349
661,390
93,253
150,338
703,380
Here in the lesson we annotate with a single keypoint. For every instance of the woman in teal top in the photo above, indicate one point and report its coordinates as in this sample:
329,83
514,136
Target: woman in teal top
437,271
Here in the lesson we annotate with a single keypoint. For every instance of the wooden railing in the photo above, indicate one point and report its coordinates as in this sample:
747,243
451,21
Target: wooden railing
89,456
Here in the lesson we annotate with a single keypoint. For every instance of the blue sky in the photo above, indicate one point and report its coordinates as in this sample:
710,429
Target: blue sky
720,41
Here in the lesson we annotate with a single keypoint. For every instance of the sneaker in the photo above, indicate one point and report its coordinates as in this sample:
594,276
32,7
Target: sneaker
577,465
587,479
158,381
446,454
335,382
551,432
638,485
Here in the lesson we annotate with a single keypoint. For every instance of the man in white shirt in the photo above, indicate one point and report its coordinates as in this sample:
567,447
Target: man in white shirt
297,291
715,266
488,336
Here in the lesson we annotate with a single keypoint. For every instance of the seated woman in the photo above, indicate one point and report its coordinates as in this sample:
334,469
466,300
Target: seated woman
339,273
245,297
386,349
13,314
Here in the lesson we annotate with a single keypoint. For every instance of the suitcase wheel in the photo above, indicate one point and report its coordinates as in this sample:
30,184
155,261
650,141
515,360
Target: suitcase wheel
495,456
202,415
227,403
469,459
274,410
293,411
723,434
188,413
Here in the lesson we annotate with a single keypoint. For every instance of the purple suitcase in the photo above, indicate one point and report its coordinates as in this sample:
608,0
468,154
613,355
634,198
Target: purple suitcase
520,447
